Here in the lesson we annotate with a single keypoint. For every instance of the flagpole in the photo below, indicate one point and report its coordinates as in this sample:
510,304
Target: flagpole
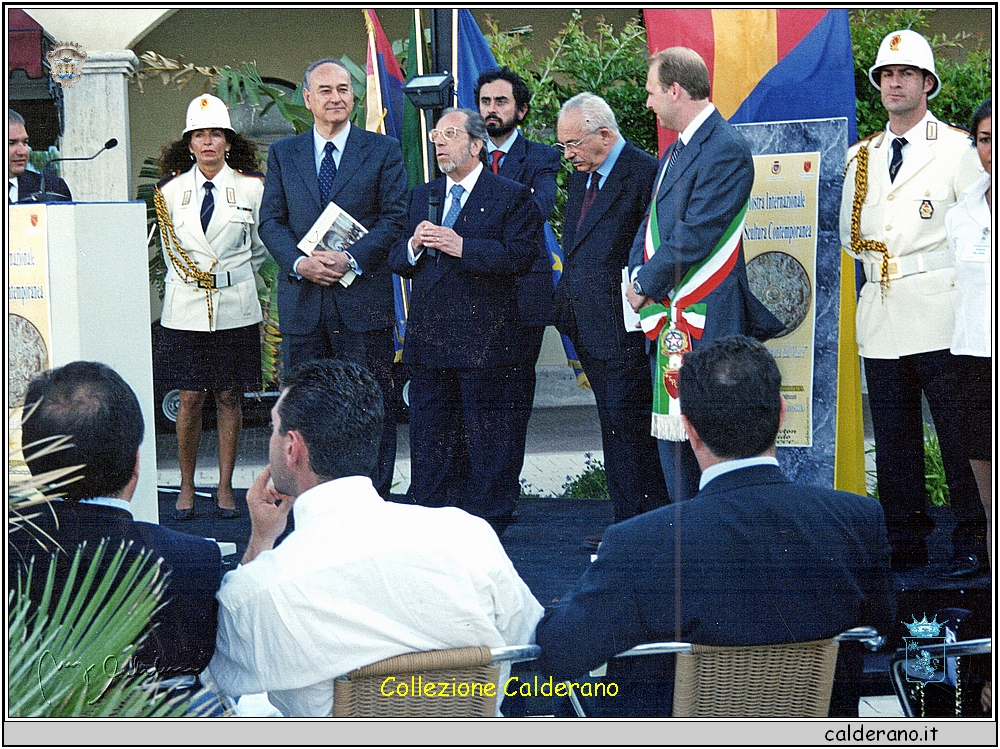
419,52
454,53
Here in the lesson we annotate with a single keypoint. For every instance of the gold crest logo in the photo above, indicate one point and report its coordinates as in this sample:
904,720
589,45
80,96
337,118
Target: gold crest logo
66,63
894,43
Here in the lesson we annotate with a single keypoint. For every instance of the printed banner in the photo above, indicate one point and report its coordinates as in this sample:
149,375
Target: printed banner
779,241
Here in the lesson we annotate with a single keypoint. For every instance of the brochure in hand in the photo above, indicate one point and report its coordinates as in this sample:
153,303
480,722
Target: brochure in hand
334,230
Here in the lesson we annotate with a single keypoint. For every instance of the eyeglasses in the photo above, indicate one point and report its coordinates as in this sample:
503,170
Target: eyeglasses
448,133
575,144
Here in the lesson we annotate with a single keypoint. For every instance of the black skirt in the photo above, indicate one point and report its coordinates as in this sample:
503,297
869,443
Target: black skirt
976,393
198,360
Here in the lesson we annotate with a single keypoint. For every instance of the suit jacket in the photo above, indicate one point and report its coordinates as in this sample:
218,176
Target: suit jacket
231,244
31,182
751,559
588,304
706,188
935,171
535,166
183,639
371,186
463,311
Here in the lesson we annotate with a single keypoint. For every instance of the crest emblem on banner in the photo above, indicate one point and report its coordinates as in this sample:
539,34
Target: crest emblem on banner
776,167
66,63
807,167
920,666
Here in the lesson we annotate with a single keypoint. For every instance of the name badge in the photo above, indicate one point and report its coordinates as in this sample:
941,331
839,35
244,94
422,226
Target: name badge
978,252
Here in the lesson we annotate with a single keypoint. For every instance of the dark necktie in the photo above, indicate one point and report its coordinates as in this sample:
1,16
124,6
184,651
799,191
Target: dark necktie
207,206
897,158
678,147
327,173
456,206
589,197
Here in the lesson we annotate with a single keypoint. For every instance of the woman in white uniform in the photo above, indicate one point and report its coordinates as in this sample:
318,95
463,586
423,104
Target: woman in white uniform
970,238
208,210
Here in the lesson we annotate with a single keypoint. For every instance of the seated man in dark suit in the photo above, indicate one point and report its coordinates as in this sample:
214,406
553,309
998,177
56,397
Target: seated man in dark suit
95,407
22,184
462,332
752,559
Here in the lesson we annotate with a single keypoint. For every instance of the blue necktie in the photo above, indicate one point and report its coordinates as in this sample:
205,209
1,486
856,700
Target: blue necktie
678,147
207,206
456,206
327,173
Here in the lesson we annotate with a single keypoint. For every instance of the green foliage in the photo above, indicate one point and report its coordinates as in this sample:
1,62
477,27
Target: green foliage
68,657
591,484
964,84
934,479
608,64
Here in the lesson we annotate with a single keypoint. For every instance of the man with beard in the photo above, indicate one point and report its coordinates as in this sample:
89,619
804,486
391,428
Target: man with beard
461,331
504,102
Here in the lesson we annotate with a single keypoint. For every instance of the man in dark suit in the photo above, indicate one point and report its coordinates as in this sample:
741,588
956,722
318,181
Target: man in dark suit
363,173
91,404
462,332
752,559
607,200
504,101
22,184
702,188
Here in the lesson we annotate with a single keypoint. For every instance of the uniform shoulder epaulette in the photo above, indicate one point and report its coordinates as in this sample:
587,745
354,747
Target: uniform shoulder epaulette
258,175
169,177
959,128
865,140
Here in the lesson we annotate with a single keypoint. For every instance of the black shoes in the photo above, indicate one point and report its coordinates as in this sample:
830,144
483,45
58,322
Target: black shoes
226,513
182,515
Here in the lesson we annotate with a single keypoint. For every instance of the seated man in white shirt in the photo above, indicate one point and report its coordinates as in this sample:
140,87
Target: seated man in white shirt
359,579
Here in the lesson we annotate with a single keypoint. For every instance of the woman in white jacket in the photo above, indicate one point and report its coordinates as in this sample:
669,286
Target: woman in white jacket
970,238
208,210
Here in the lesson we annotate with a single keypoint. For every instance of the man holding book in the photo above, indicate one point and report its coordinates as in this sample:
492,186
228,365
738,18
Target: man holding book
363,174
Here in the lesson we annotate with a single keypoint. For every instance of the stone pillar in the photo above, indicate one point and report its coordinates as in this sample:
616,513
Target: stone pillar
96,110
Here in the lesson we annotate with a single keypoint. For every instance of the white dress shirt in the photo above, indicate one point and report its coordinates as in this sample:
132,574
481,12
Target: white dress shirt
359,580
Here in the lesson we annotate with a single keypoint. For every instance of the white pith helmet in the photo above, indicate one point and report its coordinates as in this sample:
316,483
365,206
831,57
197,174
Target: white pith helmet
905,47
206,112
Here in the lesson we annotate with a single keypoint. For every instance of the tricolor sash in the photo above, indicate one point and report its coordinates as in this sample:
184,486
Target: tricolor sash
671,323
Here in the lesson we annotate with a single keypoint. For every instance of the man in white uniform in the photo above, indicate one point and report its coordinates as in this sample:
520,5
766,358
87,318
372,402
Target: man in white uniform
359,579
898,188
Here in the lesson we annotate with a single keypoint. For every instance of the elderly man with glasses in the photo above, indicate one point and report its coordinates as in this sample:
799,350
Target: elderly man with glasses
607,200
470,235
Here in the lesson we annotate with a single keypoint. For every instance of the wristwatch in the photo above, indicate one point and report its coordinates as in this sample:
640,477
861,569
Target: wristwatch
637,288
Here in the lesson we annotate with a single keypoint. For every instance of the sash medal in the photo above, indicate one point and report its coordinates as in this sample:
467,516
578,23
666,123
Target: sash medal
671,323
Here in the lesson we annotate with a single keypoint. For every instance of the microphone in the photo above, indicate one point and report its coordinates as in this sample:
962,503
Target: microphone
434,208
42,196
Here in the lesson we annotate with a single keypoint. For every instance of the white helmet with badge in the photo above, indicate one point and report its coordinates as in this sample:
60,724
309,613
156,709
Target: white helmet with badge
905,47
207,112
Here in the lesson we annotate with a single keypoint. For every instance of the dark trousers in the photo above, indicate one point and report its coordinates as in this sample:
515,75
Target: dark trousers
894,388
680,468
462,441
372,349
624,393
523,391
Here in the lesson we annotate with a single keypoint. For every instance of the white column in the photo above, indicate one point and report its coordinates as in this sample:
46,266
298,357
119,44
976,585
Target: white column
96,110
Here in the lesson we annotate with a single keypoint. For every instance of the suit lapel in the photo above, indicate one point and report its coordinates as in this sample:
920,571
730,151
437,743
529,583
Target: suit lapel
687,155
918,156
304,159
512,163
606,197
352,158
